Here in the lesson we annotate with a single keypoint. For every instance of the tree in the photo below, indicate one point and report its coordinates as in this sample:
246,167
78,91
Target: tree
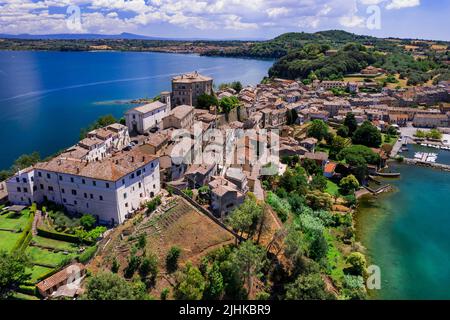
294,180
228,103
12,272
308,287
350,123
349,184
353,155
318,246
318,200
215,286
318,129
88,221
246,217
190,284
204,101
172,259
337,145
165,293
149,269
357,263
133,264
367,135
115,266
110,286
293,245
142,241
342,131
249,259
319,182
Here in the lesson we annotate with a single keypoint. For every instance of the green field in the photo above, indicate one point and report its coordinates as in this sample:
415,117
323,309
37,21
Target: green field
62,245
47,257
38,271
332,188
8,240
15,223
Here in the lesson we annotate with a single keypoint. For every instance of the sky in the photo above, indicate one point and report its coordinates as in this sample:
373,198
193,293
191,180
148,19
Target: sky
228,19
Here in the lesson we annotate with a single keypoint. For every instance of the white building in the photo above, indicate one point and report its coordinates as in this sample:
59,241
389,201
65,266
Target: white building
145,117
100,143
110,189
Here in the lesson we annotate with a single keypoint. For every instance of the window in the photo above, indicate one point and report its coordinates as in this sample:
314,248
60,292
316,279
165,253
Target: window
85,195
123,181
24,180
18,189
34,188
74,192
83,181
64,200
71,180
48,175
154,186
63,191
132,176
50,188
92,196
126,205
25,190
60,178
32,179
125,195
101,198
42,186
94,183
140,185
107,185
138,173
75,202
17,179
87,205
40,174
152,165
141,195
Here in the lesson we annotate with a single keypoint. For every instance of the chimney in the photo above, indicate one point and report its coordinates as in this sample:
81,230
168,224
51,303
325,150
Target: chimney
143,158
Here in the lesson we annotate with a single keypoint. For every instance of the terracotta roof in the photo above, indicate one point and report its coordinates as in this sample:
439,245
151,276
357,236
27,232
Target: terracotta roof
181,112
59,277
191,77
330,167
111,169
148,107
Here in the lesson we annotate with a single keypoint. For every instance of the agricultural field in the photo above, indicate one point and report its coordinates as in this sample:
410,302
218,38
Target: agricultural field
175,223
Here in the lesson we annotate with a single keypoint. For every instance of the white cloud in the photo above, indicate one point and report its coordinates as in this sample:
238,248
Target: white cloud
400,4
21,16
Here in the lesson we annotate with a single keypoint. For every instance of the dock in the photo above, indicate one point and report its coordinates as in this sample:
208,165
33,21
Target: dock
440,166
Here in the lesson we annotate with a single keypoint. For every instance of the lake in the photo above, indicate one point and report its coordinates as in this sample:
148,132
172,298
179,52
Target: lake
407,234
47,97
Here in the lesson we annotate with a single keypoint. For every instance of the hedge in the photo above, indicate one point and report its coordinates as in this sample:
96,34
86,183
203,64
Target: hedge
87,254
25,237
30,290
58,235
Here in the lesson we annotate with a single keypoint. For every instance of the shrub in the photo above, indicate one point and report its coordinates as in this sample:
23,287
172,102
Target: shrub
281,206
57,235
165,293
87,254
172,259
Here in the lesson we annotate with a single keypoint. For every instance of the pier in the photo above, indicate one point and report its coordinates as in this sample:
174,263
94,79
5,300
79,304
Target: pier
439,166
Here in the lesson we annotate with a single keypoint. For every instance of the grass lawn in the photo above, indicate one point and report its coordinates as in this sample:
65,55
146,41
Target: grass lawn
47,257
332,188
38,271
8,240
15,223
71,247
335,259
22,296
391,142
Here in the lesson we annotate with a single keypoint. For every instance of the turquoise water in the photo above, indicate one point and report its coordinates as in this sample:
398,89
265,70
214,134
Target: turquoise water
407,234
443,156
46,97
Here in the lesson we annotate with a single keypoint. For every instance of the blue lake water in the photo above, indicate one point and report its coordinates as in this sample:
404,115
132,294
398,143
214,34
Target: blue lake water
407,234
46,97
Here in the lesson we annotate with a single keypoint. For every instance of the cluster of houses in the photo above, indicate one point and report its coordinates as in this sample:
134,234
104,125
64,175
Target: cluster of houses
115,170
